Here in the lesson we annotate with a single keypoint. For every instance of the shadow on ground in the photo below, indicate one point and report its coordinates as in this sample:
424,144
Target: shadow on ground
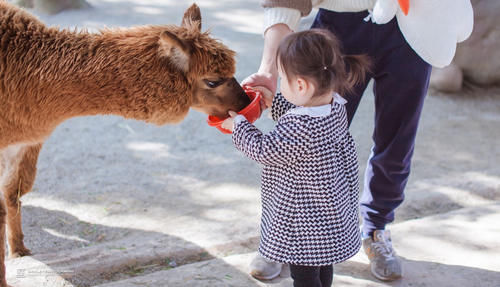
99,258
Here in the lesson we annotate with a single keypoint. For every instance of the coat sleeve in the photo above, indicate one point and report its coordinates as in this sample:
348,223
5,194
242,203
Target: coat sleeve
280,106
285,144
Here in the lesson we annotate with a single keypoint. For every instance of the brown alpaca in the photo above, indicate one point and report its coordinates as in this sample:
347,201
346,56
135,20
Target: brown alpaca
149,73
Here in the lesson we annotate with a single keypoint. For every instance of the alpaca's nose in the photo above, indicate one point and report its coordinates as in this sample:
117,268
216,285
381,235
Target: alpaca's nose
240,98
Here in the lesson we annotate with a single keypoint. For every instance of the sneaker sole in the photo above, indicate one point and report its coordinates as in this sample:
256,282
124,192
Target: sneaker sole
268,277
382,277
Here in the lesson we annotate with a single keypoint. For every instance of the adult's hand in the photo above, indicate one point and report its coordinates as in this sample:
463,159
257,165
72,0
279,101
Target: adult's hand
263,79
267,96
266,84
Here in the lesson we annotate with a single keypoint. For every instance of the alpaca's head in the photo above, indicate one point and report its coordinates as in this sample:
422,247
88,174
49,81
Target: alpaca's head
208,65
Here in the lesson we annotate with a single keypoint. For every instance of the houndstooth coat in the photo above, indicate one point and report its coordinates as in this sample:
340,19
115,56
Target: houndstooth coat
309,183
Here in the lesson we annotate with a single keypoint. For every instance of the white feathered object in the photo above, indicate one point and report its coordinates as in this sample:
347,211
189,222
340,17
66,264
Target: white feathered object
434,27
431,27
384,11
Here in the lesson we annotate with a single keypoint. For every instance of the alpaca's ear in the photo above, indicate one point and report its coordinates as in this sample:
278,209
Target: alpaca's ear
175,49
192,18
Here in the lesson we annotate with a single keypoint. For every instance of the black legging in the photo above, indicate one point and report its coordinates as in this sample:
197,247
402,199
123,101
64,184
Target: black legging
311,276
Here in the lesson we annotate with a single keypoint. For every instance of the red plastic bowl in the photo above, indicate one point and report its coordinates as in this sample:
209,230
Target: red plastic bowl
251,112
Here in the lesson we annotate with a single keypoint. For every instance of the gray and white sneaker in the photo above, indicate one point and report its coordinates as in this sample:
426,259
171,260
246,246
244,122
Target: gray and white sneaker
384,263
264,269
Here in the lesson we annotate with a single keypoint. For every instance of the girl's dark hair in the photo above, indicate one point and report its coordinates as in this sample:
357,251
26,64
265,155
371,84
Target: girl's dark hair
316,55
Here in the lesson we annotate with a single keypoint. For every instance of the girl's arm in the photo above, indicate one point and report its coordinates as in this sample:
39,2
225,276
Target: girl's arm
280,106
285,144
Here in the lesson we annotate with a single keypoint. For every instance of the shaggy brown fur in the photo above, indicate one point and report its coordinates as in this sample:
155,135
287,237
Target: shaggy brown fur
150,73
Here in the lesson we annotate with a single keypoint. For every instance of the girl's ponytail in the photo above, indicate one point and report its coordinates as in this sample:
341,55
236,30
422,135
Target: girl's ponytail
357,68
316,54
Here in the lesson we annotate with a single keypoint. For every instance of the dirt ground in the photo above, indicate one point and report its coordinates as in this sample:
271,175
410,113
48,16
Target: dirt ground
104,181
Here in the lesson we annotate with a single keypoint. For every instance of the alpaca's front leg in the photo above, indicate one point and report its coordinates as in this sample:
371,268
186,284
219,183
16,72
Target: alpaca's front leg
3,214
19,184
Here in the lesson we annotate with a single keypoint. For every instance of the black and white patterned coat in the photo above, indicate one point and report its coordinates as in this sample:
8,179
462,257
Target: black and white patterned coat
309,183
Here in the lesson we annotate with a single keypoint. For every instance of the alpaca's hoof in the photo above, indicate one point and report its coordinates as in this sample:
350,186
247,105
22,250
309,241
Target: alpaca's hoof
20,252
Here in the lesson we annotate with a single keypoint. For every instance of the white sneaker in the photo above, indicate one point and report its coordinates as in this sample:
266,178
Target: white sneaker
264,269
384,263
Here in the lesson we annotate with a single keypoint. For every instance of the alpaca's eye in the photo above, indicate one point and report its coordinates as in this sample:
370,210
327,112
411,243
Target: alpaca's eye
213,84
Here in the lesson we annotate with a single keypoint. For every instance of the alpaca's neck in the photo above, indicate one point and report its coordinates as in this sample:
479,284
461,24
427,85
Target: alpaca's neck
112,73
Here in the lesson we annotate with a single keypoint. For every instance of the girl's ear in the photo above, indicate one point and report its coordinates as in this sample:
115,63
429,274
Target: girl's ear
304,88
301,84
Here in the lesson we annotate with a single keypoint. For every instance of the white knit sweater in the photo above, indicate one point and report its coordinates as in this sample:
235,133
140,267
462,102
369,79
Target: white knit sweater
432,27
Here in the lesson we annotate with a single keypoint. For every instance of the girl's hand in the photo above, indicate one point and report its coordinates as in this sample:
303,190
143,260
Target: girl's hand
228,123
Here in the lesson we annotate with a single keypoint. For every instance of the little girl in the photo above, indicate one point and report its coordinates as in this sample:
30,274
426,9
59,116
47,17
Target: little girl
310,175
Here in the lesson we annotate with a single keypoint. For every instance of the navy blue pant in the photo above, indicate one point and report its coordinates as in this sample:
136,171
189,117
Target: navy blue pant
401,79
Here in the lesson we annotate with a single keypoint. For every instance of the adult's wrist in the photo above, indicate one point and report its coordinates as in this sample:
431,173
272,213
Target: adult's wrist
270,71
272,39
